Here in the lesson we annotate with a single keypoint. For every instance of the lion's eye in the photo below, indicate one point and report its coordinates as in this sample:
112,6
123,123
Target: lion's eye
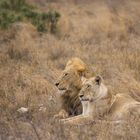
65,74
88,86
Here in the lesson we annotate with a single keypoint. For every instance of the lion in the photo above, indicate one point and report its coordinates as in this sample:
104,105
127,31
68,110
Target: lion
99,103
69,84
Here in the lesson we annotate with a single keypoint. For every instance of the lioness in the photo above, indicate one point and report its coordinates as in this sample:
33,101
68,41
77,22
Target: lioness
69,84
98,103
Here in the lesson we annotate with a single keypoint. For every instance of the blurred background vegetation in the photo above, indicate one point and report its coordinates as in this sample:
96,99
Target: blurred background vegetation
19,10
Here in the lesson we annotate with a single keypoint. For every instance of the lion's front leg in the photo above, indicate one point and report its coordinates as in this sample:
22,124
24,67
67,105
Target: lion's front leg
61,115
72,118
77,120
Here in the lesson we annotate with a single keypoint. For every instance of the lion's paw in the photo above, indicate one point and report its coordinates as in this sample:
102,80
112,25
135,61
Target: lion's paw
61,115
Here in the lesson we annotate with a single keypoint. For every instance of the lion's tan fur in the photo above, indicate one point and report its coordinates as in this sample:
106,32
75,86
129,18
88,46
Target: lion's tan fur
69,84
99,103
82,68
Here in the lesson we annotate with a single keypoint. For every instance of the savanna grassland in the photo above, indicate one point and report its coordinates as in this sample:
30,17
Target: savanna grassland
105,34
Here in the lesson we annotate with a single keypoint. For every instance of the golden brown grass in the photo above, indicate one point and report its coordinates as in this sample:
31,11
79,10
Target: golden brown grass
105,34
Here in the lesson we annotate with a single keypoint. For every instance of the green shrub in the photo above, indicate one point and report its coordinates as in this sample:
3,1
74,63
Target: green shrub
18,10
6,19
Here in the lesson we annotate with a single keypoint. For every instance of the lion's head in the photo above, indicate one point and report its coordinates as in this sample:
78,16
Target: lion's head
92,89
69,80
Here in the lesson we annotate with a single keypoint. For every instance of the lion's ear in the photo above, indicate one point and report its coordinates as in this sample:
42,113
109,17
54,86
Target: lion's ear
98,80
81,72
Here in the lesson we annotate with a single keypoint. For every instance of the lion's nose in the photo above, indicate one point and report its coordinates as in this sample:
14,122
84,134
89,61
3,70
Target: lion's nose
57,84
81,95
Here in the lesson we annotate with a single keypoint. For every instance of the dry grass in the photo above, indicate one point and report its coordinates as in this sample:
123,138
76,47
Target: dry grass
105,34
